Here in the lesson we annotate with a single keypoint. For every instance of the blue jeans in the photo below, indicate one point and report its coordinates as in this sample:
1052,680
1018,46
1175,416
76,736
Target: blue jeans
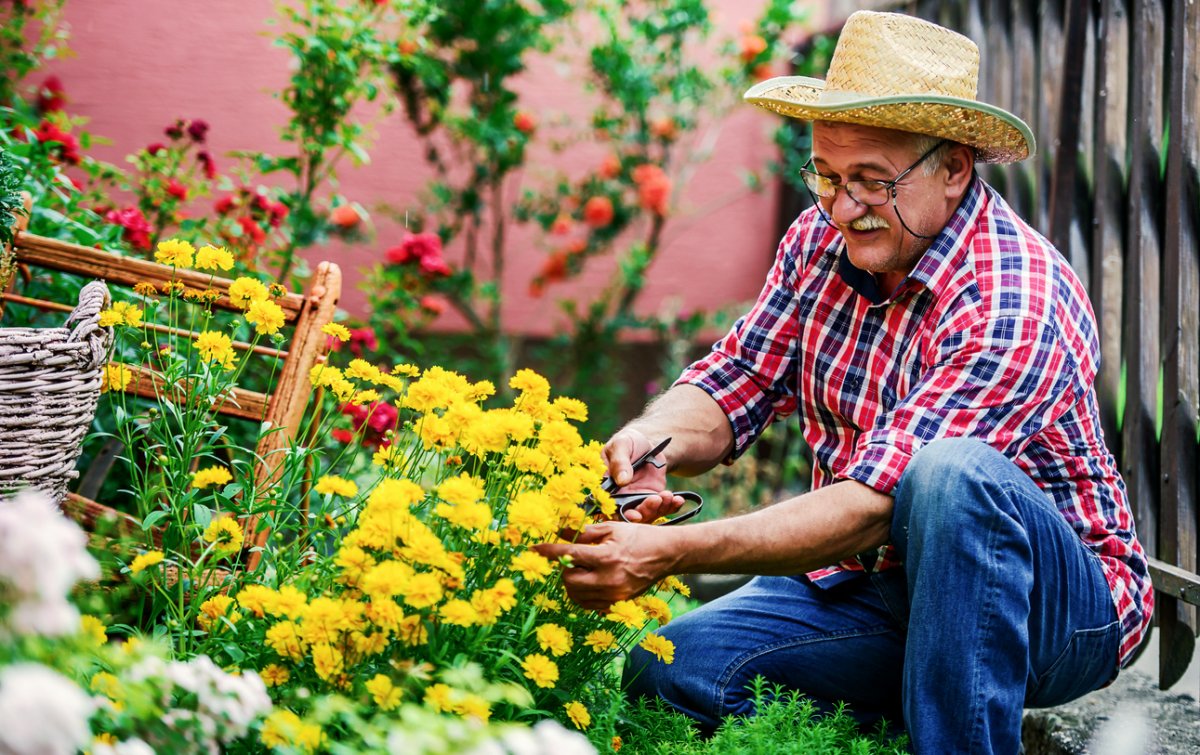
998,607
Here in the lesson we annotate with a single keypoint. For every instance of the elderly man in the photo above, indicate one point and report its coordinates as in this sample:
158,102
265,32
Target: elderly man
967,548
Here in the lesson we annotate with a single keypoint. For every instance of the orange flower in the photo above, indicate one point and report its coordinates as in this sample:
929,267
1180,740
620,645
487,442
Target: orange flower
407,46
555,267
525,122
654,188
752,46
611,167
598,212
344,216
664,128
561,226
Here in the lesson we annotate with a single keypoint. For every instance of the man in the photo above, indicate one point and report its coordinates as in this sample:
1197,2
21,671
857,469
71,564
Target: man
967,548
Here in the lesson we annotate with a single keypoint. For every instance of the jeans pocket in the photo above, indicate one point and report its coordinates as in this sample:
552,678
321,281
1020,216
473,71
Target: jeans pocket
1088,662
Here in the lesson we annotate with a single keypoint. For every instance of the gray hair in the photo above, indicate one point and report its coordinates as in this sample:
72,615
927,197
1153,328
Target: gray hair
922,143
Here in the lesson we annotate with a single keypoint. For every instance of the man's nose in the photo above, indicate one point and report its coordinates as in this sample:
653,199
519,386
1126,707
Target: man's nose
844,210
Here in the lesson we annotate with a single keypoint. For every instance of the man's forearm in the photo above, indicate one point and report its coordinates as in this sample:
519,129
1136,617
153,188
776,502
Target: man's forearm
700,433
791,537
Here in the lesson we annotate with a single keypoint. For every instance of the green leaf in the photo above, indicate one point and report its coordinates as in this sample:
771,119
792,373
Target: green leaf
153,518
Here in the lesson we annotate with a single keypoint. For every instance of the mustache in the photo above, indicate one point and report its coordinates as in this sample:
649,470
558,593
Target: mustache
869,223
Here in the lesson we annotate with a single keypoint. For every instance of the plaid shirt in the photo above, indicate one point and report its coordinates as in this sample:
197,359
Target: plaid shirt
990,336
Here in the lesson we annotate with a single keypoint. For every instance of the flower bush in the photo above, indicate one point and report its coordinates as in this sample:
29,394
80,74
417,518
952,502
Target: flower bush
397,577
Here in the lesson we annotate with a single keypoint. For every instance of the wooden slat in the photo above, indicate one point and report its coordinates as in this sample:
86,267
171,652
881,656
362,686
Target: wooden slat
1142,301
1111,30
128,271
147,383
1181,353
1069,104
1173,582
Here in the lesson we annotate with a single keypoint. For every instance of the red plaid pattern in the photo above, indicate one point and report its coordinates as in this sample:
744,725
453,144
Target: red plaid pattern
990,336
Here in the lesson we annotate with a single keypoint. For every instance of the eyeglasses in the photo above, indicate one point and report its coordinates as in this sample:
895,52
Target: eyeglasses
868,192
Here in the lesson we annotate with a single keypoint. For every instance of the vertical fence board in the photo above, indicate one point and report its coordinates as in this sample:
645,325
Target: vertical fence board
1111,26
1178,489
1068,134
1139,462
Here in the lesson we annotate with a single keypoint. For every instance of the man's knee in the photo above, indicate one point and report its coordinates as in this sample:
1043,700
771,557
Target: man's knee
940,487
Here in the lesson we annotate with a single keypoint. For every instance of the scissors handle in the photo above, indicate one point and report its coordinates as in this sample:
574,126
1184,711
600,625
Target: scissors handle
692,501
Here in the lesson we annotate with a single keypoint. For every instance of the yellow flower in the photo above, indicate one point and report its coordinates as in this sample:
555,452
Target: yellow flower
323,375
216,347
628,613
386,694
389,457
245,291
473,706
361,369
284,639
106,684
543,603
274,675
601,640
266,316
461,489
571,408
655,608
145,289
412,631
226,533
339,332
541,670
364,397
286,730
458,612
469,516
560,440
93,629
406,370
324,620
209,257
385,613
334,485
211,476
616,743
327,661
438,697
213,609
554,639
578,713
174,252
122,313
530,383
533,513
423,590
675,583
659,646
116,377
533,566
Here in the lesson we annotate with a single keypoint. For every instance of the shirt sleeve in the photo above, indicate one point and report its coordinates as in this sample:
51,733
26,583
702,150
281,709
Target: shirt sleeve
1002,380
751,372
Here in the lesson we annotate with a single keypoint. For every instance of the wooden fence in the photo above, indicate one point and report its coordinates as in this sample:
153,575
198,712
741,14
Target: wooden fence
1109,88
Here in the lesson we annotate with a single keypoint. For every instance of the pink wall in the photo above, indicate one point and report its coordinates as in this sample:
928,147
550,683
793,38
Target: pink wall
139,64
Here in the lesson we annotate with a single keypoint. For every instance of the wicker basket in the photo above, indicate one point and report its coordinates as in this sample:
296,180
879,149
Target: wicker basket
49,383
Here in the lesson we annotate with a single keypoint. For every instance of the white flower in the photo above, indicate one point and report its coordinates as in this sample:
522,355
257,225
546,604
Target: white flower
220,706
42,555
546,738
42,712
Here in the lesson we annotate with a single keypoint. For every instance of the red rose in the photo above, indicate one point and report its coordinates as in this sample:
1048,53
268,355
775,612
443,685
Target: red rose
177,190
752,46
416,247
611,167
561,226
197,130
434,266
665,129
137,228
224,204
251,229
207,164
598,212
175,130
154,149
68,145
433,304
363,340
51,95
342,436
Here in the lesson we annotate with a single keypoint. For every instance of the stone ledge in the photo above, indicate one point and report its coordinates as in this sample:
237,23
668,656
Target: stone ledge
1131,716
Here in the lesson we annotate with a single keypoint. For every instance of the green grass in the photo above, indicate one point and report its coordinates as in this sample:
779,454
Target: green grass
786,723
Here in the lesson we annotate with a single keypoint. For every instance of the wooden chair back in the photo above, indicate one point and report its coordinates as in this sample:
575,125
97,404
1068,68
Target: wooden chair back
305,315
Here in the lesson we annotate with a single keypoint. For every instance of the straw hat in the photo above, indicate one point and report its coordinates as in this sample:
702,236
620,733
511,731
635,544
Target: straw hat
895,71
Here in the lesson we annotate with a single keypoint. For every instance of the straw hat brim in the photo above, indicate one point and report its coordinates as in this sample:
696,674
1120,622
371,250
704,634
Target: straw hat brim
997,135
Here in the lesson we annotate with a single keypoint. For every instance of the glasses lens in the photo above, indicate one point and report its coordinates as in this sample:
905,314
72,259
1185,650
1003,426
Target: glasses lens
872,193
818,184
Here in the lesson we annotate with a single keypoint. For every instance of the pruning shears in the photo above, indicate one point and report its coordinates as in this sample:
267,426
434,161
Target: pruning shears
626,501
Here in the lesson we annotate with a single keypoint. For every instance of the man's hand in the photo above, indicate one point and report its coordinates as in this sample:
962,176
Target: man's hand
612,561
618,454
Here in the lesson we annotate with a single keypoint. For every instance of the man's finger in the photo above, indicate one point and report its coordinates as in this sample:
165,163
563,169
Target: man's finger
580,555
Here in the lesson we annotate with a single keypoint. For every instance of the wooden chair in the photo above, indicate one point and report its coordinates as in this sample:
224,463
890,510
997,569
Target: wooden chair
283,407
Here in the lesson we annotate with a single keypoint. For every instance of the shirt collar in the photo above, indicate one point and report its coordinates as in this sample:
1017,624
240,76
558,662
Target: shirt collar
937,266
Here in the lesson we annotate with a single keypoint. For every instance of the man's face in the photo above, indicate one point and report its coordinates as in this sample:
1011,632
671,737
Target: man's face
876,240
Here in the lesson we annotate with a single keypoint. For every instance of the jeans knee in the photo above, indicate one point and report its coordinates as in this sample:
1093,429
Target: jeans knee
934,490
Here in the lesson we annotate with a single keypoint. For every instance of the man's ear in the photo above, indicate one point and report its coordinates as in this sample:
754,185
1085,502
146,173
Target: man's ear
960,167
